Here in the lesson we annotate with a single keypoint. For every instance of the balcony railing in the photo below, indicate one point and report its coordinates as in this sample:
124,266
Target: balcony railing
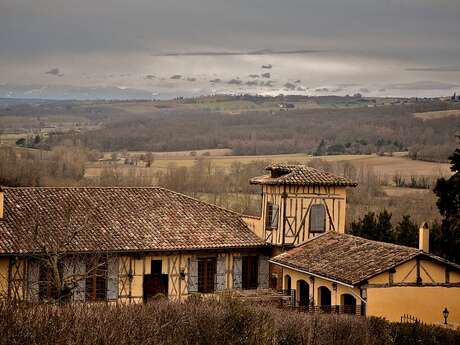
293,303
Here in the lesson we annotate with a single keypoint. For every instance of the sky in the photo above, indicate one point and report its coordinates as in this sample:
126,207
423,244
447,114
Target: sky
174,48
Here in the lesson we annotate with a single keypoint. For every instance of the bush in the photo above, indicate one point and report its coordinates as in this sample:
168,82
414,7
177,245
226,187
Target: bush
202,321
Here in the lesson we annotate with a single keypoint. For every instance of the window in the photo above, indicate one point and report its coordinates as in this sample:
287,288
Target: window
271,219
206,274
250,272
156,267
317,218
96,280
47,290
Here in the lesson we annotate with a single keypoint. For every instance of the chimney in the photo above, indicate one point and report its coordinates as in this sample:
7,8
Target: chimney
1,203
424,238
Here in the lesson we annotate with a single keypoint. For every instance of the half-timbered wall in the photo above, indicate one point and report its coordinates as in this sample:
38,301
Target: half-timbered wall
294,206
419,287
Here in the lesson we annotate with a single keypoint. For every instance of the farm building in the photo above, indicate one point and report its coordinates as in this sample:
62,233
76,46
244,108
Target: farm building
122,244
354,275
129,244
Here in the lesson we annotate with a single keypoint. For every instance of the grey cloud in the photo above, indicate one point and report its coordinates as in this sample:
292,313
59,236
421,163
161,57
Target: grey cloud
434,69
423,85
253,76
289,86
269,66
235,82
55,71
252,83
191,79
150,77
266,75
176,77
216,80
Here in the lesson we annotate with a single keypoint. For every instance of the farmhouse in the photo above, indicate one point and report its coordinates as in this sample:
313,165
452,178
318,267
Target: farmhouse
122,244
130,244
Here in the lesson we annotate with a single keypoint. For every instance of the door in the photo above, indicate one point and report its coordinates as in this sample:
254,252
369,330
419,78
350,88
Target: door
155,284
250,272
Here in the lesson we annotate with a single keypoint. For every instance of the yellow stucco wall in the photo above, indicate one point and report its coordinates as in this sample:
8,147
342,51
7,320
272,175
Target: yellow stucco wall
336,292
425,303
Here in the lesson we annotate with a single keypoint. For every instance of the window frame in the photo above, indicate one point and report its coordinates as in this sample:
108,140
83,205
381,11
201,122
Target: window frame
96,281
207,270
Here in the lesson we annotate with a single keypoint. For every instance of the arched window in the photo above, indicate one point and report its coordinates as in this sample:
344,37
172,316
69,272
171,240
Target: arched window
348,303
317,218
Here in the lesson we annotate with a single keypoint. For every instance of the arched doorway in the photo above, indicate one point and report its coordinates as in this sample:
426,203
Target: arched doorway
303,293
287,284
324,298
348,303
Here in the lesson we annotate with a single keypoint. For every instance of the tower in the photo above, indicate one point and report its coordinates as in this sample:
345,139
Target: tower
298,203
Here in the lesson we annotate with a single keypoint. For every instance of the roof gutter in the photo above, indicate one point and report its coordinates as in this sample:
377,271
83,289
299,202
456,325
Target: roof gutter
312,274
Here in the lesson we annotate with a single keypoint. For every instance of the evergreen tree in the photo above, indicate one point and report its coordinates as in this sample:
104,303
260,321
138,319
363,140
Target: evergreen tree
448,193
406,232
384,229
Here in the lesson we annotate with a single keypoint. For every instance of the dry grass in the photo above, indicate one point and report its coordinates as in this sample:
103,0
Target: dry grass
202,322
433,115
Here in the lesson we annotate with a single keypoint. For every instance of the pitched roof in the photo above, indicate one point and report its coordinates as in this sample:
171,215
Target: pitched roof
349,259
281,174
117,219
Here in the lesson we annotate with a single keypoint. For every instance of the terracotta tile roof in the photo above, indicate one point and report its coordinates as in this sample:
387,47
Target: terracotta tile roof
118,219
349,259
281,174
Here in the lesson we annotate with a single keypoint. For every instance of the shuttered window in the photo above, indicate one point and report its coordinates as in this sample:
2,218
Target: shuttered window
317,218
206,274
271,220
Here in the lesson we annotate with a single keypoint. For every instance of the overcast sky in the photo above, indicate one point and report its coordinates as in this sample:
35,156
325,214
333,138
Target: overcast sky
117,43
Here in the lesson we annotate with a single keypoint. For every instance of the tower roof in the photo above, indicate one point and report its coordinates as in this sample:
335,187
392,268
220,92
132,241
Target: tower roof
286,174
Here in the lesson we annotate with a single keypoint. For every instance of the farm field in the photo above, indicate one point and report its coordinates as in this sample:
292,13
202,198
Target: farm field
433,115
385,167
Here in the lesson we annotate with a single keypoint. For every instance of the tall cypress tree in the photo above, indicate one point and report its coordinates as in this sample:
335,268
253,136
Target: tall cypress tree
448,193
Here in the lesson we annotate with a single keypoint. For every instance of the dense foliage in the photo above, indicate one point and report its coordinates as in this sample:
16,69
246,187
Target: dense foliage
203,322
448,193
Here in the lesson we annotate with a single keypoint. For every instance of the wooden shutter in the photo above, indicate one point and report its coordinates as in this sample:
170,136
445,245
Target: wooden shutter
237,272
220,274
80,273
317,218
33,282
112,278
193,274
274,220
263,279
